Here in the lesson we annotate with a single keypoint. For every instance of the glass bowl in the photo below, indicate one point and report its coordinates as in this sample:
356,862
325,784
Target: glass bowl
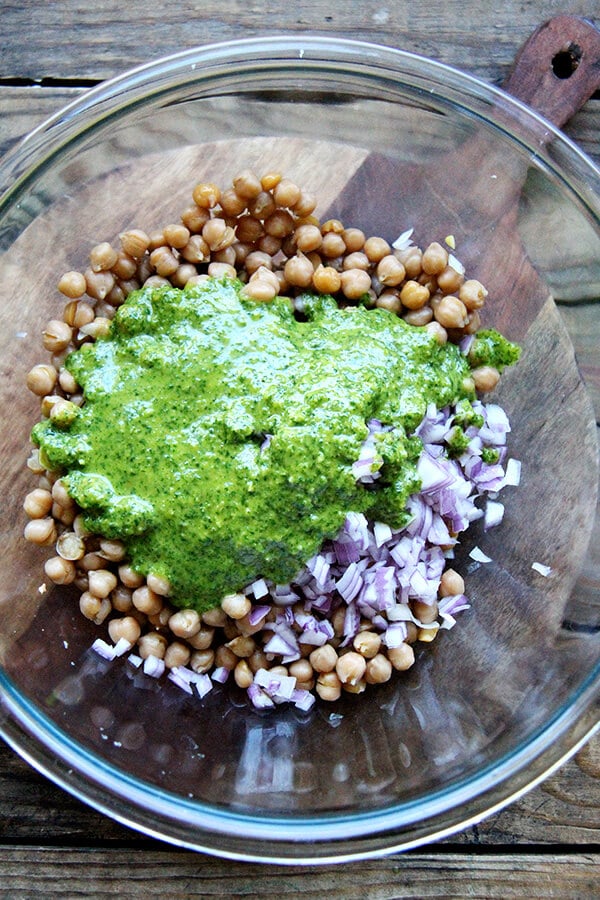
387,141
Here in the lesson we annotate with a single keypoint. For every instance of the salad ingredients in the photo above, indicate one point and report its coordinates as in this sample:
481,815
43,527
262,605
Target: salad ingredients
260,443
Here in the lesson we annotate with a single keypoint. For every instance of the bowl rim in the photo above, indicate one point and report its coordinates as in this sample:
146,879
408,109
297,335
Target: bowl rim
548,746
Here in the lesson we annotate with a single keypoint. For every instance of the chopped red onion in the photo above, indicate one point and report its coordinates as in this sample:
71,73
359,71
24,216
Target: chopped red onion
479,556
103,649
154,666
542,569
494,513
220,674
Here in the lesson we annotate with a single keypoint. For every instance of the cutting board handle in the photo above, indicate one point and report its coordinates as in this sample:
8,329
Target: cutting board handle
558,68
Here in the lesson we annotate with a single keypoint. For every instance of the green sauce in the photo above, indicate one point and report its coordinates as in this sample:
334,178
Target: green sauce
218,434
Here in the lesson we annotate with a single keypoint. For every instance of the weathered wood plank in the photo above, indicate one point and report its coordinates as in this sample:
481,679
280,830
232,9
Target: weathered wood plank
39,871
116,37
565,809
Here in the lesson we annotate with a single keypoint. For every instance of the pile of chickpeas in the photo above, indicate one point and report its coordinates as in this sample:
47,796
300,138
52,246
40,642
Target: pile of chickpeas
262,231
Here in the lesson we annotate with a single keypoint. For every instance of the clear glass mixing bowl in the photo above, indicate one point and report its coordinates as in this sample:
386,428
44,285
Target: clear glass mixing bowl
387,141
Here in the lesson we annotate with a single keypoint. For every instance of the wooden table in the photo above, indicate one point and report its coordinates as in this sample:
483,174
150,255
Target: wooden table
547,844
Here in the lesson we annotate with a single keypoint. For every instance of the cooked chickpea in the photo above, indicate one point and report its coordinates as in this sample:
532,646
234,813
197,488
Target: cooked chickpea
196,250
280,224
326,280
376,248
485,377
329,686
40,531
72,284
435,259
401,657
59,570
367,643
226,658
451,583
92,561
146,601
411,259
152,644
159,584
236,606
350,667
414,295
134,242
185,623
215,617
247,185
202,660
127,627
299,271
102,257
451,312
354,239
242,674
98,284
38,503
355,283
390,271
425,612
449,280
177,654
473,294
231,204
57,336
130,578
242,645
206,195
41,380
389,300
112,550
332,245
70,546
121,599
301,670
308,238
427,635
438,331
379,669
101,582
421,316
262,206
305,206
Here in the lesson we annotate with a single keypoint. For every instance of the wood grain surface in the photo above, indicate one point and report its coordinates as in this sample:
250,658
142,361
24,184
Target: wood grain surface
544,845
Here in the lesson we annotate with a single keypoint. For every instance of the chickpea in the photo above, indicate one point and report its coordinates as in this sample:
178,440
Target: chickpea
38,503
427,635
134,242
72,284
299,271
301,670
354,239
231,204
308,238
355,283
280,224
449,280
350,667
59,570
439,332
414,295
389,300
376,248
401,657
326,280
329,686
260,289
98,284
242,645
146,601
159,585
202,639
101,583
435,259
130,578
185,623
57,336
422,316
41,532
332,245
177,654
473,294
103,257
367,643
216,618
286,193
202,660
196,250
42,379
411,259
206,195
247,185
226,658
270,180
152,644
425,612
121,599
242,674
127,627
379,669
305,206
236,606
486,378
70,546
124,267
451,312
390,271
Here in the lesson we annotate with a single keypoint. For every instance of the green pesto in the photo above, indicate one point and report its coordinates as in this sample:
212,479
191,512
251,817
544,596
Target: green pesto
218,434
492,349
